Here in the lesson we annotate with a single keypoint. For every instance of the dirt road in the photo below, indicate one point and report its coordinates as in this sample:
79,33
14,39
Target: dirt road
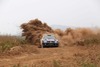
68,56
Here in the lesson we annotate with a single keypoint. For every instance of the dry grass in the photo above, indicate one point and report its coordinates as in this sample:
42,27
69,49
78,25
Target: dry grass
8,41
15,45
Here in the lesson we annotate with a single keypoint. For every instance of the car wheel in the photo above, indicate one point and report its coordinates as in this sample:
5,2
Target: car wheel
41,46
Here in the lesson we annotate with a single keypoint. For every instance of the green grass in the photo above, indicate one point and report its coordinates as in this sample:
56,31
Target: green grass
6,46
18,65
56,63
88,65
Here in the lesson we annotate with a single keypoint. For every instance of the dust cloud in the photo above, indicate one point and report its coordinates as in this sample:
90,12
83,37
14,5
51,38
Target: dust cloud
34,29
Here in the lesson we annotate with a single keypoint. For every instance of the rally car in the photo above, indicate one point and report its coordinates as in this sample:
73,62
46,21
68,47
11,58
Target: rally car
49,40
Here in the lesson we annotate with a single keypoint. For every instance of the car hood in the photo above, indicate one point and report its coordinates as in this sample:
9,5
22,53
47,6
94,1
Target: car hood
50,39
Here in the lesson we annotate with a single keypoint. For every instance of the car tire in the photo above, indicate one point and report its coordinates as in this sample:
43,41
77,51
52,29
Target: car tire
42,46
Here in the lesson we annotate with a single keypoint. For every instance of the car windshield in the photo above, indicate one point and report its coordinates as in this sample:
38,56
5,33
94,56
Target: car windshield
49,37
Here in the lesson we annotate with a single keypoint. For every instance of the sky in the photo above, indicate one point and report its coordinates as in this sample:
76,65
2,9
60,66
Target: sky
76,13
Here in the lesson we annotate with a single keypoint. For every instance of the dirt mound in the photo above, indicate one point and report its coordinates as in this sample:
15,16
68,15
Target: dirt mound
17,50
34,29
20,50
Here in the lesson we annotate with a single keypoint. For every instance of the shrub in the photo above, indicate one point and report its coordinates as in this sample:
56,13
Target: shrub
7,42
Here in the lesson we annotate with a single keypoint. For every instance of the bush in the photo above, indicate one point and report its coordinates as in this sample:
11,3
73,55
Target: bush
6,46
7,42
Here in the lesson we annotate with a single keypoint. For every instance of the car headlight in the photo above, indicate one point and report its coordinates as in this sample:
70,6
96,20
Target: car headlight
56,41
44,41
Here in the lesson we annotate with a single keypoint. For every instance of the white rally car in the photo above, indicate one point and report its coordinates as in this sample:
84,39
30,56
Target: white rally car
49,40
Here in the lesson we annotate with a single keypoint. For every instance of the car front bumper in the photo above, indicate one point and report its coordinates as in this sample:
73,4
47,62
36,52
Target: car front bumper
50,44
